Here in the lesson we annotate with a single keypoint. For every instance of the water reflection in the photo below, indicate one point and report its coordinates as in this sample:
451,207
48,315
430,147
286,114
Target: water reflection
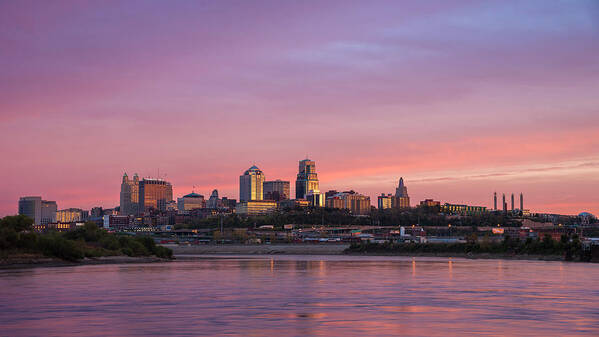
304,296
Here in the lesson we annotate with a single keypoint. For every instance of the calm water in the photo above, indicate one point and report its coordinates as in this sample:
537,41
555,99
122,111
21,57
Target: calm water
304,296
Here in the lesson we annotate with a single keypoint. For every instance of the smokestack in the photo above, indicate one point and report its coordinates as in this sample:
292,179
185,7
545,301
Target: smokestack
512,202
521,202
495,200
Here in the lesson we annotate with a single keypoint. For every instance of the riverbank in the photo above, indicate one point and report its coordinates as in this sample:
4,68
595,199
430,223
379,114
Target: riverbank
473,256
333,249
34,261
264,249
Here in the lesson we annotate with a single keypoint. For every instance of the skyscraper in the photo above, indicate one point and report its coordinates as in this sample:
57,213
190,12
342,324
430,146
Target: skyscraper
521,202
307,179
251,184
276,190
129,195
214,201
154,193
402,199
41,211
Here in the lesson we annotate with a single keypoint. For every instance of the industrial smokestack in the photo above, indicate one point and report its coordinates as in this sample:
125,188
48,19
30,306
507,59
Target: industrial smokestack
512,202
495,200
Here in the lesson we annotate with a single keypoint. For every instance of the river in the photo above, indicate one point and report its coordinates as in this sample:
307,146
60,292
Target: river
288,295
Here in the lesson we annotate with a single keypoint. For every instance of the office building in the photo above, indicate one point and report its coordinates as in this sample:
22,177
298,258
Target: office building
251,184
256,207
356,203
154,194
402,199
190,201
293,203
385,201
307,179
129,195
41,211
276,190
214,202
71,215
315,198
462,209
430,203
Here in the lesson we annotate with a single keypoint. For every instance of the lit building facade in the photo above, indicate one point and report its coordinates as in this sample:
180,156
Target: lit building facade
401,195
315,198
251,184
430,203
256,207
307,179
356,203
129,195
385,201
71,215
189,202
276,190
154,193
462,209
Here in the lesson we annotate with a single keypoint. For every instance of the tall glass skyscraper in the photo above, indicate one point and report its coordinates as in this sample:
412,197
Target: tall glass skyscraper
251,184
307,179
154,193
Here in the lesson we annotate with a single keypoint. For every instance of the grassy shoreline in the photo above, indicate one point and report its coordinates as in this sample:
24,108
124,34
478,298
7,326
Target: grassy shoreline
35,261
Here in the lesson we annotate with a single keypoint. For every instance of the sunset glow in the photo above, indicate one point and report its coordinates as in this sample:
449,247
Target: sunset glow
461,99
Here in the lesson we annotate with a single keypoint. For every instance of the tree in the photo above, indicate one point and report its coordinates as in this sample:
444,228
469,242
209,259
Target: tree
18,223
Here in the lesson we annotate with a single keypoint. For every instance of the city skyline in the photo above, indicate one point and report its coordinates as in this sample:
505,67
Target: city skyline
461,98
257,193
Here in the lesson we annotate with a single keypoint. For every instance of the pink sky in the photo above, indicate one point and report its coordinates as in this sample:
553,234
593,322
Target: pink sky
461,98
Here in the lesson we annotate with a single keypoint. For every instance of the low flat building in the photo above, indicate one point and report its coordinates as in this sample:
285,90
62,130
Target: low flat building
256,207
356,203
293,203
462,209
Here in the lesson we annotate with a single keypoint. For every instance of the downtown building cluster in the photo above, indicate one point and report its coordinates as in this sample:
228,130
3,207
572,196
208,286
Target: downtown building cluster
148,203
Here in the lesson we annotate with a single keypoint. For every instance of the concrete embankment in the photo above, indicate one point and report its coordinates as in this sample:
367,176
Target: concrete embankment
295,249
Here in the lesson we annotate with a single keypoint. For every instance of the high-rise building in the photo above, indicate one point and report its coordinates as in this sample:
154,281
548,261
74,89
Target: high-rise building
401,195
214,201
49,209
154,193
356,203
521,202
276,190
129,195
385,201
251,184
190,201
41,211
307,179
315,198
